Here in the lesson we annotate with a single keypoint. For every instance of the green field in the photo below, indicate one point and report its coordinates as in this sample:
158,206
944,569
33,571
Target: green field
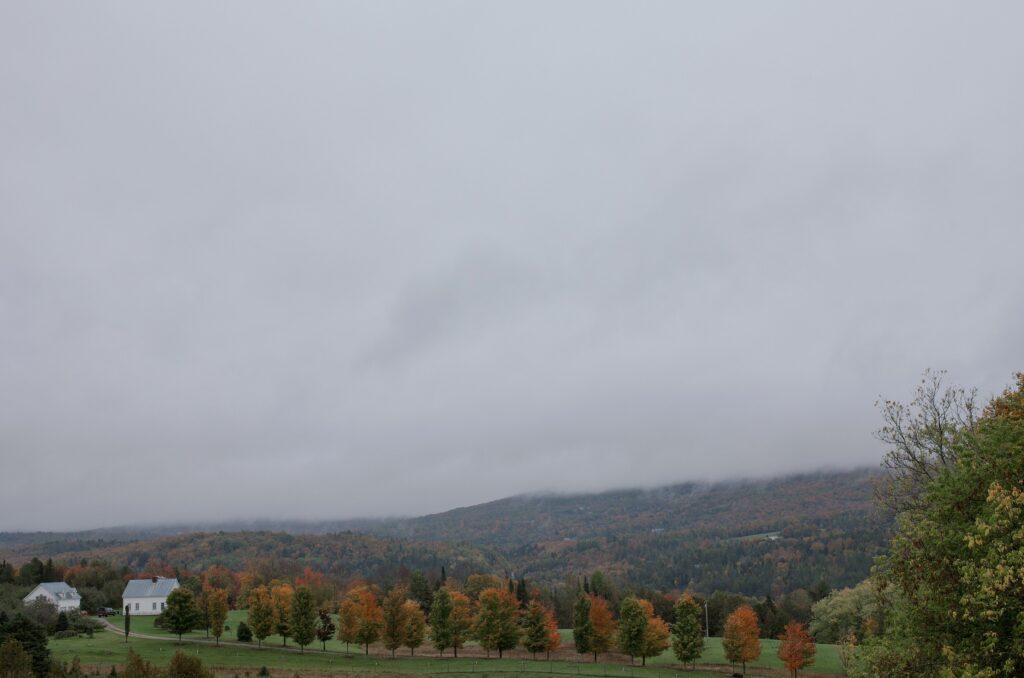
108,648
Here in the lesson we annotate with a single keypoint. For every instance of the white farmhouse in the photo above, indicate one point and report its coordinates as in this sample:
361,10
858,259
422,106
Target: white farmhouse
60,594
147,596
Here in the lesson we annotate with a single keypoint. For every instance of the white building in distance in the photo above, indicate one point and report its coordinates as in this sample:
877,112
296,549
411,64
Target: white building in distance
147,596
60,594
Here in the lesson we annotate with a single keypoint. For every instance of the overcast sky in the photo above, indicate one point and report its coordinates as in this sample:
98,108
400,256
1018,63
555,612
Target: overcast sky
330,260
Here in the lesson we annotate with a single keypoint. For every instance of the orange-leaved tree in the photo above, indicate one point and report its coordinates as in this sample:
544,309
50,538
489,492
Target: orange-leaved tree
604,626
554,637
348,621
656,635
461,620
741,638
370,616
797,647
281,604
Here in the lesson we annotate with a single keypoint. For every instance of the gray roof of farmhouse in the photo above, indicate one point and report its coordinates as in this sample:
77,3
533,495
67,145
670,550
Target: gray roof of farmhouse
59,590
147,588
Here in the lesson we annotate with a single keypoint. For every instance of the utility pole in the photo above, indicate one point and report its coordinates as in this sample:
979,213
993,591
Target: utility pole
707,627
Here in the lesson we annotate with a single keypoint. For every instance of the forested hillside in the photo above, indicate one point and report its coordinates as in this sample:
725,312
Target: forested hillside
727,509
345,556
747,537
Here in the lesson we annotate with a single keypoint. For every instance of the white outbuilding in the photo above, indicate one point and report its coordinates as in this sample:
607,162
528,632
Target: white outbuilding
65,597
147,596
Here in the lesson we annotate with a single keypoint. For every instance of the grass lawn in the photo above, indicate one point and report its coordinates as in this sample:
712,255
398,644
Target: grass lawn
108,648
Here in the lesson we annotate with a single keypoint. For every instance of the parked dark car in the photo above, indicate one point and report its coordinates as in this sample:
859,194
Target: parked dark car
105,611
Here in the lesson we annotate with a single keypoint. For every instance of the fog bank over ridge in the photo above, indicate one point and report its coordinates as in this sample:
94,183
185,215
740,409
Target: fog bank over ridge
390,259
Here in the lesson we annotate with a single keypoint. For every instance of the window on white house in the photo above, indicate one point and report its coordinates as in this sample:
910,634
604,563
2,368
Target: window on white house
162,606
136,607
154,606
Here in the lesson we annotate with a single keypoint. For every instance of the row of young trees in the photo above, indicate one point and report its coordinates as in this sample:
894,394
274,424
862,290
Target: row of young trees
496,617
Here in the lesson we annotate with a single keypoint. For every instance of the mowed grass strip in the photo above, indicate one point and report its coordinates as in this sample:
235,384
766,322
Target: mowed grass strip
107,649
826,659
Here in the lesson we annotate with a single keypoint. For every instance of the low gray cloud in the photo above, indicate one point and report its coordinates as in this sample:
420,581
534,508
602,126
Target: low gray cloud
345,260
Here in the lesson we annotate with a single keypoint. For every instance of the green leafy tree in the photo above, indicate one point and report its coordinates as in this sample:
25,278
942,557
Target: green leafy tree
415,626
582,628
419,589
441,620
324,627
261,613
496,624
632,627
217,611
181,615
847,611
393,632
535,632
953,584
303,617
688,636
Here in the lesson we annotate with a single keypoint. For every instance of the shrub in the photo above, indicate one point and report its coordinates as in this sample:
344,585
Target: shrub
244,633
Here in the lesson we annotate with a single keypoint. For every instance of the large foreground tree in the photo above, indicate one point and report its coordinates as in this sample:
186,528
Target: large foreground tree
953,584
